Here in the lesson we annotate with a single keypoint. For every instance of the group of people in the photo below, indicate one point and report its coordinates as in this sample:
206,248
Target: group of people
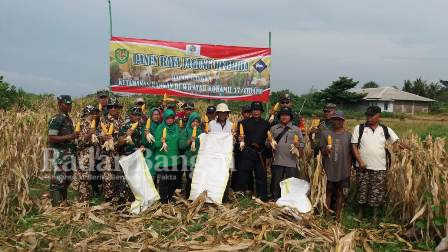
170,141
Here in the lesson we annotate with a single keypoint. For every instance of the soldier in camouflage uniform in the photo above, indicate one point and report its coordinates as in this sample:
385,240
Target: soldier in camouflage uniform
108,155
325,124
61,136
129,140
102,97
87,148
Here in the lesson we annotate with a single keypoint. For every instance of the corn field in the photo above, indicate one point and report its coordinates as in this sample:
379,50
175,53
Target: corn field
417,197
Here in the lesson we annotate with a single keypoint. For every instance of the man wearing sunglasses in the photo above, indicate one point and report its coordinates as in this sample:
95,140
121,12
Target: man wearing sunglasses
324,124
285,102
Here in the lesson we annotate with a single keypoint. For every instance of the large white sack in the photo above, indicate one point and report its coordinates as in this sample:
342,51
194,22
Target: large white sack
140,181
294,193
213,163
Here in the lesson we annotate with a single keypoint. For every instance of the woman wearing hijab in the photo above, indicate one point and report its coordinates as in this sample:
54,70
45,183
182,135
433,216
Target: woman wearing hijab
190,144
155,118
166,155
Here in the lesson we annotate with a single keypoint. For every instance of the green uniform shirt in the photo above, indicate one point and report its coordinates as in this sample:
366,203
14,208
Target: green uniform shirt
62,125
137,137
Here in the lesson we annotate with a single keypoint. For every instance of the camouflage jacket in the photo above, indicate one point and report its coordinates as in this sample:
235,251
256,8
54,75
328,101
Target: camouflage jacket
62,125
118,123
137,136
85,140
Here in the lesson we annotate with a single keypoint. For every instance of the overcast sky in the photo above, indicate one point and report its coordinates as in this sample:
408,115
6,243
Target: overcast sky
61,46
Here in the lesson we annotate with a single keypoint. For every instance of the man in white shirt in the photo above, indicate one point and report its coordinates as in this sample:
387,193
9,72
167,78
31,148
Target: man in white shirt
368,143
221,124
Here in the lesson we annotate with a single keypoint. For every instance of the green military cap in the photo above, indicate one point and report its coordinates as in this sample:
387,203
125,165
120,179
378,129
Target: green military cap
102,93
67,99
113,101
89,109
136,111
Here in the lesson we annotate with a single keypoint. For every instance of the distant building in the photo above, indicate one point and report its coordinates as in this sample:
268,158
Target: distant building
390,99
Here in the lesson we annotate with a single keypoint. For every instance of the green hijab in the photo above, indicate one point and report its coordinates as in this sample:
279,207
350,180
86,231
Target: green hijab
191,118
170,128
154,124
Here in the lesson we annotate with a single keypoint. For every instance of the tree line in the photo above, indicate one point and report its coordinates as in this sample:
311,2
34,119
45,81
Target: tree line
338,92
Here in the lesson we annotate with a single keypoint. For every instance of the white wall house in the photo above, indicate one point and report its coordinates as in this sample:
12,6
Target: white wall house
390,99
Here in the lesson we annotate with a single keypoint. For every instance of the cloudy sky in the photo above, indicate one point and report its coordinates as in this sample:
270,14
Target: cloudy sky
61,46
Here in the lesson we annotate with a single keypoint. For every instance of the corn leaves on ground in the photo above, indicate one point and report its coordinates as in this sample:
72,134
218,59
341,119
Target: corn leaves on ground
414,218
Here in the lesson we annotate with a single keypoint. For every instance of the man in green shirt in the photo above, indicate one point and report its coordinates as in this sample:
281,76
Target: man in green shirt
61,136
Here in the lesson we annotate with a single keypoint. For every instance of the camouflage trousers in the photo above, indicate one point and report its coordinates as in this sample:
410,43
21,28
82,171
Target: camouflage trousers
83,176
109,176
59,183
372,186
115,186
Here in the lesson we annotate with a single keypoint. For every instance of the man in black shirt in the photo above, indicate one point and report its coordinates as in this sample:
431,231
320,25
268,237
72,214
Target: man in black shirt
252,158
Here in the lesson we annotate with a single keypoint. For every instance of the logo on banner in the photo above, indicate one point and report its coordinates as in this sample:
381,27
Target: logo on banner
194,50
121,55
260,66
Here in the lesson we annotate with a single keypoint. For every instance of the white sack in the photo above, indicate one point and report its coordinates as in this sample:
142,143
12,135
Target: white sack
140,181
294,193
213,163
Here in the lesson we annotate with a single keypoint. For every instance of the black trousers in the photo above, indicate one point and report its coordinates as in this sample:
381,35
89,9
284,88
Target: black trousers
278,174
249,164
167,183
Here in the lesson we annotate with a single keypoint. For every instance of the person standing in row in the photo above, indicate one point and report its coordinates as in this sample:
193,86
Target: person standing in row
167,153
110,148
130,139
324,124
140,102
87,146
61,136
373,159
189,142
221,124
287,145
155,118
102,97
253,141
285,102
337,161
211,113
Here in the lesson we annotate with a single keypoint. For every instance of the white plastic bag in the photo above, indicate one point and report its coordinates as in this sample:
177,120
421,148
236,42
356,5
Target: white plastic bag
212,168
294,193
140,181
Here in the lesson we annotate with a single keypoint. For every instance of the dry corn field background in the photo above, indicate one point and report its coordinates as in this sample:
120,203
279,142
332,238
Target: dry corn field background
414,218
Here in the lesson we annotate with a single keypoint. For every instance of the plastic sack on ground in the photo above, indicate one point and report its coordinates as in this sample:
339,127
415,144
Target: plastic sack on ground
212,168
140,181
294,193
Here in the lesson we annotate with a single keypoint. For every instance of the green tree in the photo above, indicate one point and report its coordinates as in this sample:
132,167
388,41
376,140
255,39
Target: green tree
370,84
338,92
